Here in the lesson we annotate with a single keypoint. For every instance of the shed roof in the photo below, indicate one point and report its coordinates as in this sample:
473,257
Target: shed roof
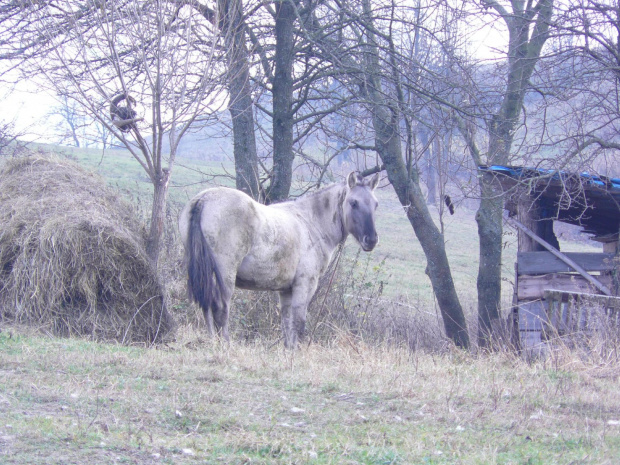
588,200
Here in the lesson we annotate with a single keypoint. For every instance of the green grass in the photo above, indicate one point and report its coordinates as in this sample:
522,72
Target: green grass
72,401
121,170
398,261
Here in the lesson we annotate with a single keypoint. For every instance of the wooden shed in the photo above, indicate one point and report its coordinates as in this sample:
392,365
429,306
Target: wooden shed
557,293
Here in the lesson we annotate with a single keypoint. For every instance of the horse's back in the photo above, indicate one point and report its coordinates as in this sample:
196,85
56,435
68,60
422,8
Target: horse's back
261,243
227,215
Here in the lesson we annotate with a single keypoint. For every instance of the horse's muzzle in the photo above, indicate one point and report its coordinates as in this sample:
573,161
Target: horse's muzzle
369,242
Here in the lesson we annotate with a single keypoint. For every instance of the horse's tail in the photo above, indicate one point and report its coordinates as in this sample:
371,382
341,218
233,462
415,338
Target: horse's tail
204,280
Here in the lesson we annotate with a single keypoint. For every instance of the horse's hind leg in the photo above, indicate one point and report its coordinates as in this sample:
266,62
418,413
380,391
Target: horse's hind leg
220,310
209,320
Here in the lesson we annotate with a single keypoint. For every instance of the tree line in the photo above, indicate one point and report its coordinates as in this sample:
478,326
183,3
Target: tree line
398,83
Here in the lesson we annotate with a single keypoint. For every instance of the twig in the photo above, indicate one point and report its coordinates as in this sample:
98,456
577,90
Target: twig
134,317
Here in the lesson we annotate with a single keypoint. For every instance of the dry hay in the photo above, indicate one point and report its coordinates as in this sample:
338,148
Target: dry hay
72,255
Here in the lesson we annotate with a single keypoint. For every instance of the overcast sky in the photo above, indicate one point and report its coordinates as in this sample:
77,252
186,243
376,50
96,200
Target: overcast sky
30,107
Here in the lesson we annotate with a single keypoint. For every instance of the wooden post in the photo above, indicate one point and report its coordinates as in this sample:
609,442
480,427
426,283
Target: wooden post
527,214
531,213
610,247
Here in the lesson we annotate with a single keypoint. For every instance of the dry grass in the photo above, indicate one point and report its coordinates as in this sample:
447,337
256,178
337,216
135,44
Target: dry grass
72,255
195,401
378,385
349,300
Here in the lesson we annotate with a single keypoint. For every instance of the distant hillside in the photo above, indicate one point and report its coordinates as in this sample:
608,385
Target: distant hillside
398,262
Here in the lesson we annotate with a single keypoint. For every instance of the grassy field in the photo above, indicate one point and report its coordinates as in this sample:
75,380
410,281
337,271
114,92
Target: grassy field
399,252
398,262
73,401
70,401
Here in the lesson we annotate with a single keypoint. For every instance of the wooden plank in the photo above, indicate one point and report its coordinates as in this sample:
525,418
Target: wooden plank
555,311
533,287
601,300
533,263
604,289
532,340
577,308
532,315
610,247
528,213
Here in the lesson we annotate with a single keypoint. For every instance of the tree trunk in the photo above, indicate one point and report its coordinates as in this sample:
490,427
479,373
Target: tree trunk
158,216
432,161
490,232
240,104
523,53
385,120
283,156
432,241
76,141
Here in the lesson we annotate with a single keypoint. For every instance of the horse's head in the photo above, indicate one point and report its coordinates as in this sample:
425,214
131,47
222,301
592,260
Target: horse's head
359,208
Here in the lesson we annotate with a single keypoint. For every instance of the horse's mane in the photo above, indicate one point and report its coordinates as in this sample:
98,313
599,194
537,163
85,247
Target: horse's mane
315,193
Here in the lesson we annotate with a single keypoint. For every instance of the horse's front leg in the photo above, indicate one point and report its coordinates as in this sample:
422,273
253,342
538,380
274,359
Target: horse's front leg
286,299
294,305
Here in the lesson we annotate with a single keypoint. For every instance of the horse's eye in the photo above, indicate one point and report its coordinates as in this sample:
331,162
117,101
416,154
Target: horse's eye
353,203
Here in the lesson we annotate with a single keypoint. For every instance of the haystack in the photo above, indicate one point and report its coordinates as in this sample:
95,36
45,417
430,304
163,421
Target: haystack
72,255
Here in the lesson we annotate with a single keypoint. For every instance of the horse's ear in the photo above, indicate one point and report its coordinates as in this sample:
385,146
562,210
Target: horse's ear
352,179
374,182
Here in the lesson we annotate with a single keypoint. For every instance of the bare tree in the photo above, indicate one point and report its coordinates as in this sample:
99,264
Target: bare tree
9,142
269,53
587,70
371,59
528,30
405,180
73,121
229,17
144,51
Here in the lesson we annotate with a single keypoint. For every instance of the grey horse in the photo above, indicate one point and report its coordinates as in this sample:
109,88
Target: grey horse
231,240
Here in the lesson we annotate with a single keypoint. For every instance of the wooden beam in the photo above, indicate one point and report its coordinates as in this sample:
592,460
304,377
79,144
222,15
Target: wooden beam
602,300
610,247
545,262
534,287
595,282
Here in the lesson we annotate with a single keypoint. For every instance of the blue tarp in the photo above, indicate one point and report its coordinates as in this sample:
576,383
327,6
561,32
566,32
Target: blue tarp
521,172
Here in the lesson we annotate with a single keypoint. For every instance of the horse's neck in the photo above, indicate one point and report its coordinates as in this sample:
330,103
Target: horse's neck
323,212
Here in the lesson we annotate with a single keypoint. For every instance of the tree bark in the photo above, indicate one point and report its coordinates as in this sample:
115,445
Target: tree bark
283,156
240,99
385,120
158,216
432,241
490,233
432,161
523,54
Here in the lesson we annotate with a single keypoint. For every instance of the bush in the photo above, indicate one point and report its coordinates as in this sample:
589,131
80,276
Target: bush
349,301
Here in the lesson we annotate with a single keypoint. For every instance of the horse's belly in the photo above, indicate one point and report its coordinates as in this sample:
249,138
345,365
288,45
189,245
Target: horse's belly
266,274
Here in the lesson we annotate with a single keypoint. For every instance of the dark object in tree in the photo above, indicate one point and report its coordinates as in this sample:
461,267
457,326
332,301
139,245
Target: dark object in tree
385,121
448,201
123,117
